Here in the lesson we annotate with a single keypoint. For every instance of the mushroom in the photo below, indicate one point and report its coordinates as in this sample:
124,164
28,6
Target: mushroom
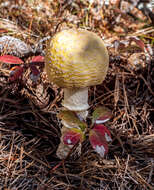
76,59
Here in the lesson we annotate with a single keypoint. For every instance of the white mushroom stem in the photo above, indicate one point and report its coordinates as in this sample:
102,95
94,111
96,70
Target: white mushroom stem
76,99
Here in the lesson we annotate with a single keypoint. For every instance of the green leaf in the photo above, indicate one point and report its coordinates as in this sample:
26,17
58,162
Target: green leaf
102,114
72,119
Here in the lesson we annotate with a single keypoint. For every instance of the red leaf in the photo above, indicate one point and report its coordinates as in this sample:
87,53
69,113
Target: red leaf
34,70
16,73
72,136
34,76
99,136
103,132
10,59
98,144
38,58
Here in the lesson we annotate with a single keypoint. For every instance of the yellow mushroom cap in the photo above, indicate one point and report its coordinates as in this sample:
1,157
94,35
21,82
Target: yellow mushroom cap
76,58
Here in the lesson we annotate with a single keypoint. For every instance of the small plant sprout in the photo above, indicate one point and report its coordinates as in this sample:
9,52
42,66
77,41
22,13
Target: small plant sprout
72,133
76,59
18,67
99,135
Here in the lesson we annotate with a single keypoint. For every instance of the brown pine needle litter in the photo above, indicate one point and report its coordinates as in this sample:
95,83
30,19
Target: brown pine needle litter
29,128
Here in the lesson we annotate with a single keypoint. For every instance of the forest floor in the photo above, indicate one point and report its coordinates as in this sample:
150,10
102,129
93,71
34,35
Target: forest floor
29,128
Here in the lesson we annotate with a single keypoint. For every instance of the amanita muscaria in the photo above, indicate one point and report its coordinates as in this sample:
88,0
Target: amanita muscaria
76,59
